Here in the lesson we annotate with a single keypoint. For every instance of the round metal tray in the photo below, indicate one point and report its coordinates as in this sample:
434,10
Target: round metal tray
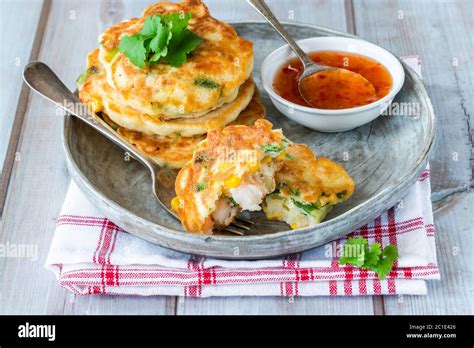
384,157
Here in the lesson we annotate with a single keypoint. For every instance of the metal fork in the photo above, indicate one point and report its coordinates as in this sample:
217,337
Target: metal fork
40,78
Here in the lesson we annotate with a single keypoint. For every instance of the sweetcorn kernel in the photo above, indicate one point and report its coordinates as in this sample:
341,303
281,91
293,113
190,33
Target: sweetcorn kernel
233,181
224,165
323,200
282,155
266,160
254,167
274,216
95,105
294,226
175,203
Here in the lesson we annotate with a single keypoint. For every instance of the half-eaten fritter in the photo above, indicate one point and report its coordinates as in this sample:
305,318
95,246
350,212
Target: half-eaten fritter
232,170
307,187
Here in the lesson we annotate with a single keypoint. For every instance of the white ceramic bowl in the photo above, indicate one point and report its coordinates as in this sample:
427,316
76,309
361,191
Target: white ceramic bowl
332,120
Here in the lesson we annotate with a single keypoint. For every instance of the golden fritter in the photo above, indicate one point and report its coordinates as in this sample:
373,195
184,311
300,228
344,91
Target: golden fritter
210,78
232,170
253,112
134,120
101,97
173,151
307,187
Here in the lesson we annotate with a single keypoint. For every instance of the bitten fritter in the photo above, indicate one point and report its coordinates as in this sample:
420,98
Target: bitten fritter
232,170
307,187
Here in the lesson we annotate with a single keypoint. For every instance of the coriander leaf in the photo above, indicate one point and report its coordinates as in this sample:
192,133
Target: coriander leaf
156,56
177,56
390,252
150,27
372,255
161,39
356,241
385,265
178,24
354,252
134,49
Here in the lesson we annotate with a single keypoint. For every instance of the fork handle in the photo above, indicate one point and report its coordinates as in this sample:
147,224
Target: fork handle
45,82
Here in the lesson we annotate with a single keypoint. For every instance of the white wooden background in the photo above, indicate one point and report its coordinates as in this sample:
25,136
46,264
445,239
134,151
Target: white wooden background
34,176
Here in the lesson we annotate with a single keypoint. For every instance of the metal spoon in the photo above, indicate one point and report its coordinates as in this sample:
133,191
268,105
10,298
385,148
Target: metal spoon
40,78
309,81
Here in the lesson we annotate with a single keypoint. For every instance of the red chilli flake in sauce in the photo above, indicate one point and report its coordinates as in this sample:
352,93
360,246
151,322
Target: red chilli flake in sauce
286,81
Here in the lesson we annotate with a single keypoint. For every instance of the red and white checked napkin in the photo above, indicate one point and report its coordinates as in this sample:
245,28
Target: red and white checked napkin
91,255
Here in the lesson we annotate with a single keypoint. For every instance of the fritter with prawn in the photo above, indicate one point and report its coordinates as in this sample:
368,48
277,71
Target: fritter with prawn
232,170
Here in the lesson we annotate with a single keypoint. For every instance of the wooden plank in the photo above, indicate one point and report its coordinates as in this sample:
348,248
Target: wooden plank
40,179
17,40
14,94
275,306
453,293
119,305
440,33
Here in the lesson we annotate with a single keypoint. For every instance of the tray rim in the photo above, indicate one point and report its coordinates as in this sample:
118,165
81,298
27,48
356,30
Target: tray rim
403,184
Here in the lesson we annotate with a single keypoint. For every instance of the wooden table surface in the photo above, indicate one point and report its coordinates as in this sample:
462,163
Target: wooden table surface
34,175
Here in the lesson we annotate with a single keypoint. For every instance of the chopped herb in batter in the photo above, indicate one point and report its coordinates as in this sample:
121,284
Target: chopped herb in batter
201,186
206,83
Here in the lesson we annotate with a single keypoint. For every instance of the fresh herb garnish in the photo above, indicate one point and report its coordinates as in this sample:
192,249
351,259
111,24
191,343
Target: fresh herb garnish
232,201
164,38
201,186
206,83
357,252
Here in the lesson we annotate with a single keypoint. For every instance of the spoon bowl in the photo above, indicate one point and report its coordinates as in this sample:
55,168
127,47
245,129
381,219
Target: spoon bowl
335,84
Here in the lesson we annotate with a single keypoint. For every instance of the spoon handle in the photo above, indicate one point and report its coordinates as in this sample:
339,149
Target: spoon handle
44,81
266,13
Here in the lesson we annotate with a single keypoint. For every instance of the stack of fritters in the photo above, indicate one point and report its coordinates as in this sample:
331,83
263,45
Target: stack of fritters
166,111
